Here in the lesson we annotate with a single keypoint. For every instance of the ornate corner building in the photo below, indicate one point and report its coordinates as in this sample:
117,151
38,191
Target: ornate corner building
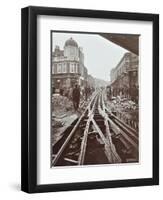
68,66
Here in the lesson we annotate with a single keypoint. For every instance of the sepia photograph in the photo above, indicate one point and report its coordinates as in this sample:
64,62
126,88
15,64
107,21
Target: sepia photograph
94,98
90,99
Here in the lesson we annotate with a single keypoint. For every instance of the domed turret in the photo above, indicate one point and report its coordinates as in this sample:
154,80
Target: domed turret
71,42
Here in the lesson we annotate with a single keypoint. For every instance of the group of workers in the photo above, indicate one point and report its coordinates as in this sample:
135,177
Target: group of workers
76,93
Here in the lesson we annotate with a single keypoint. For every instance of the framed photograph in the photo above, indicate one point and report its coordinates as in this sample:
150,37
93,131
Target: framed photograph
90,99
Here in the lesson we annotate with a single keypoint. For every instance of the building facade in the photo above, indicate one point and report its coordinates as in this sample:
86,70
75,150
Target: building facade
90,81
124,77
68,66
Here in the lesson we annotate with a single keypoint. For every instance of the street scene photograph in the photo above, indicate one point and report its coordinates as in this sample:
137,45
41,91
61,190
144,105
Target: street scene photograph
94,98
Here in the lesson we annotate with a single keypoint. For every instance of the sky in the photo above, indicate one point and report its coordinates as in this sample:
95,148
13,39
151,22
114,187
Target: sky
100,55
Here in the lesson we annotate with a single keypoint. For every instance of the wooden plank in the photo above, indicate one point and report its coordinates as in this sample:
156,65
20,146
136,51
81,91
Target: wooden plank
108,146
115,157
70,135
70,160
84,141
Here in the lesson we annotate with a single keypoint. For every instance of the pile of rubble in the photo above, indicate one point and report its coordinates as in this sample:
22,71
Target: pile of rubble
123,104
62,116
125,109
61,105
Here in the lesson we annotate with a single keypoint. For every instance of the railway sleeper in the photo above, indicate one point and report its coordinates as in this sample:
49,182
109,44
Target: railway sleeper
71,160
73,153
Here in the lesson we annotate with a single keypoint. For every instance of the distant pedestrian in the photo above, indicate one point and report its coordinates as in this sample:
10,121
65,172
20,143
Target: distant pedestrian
53,90
76,97
86,93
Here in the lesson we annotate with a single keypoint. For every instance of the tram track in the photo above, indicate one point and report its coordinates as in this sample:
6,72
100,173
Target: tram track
125,135
74,137
96,138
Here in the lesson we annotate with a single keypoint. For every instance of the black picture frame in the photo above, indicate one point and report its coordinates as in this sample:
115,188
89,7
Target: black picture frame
29,98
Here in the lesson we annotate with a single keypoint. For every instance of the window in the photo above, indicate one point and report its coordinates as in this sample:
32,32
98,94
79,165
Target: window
72,68
64,70
53,71
59,68
76,68
134,73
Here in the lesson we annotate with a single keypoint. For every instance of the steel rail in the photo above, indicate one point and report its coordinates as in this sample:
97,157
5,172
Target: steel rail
128,128
115,157
85,137
125,135
57,156
107,145
123,126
